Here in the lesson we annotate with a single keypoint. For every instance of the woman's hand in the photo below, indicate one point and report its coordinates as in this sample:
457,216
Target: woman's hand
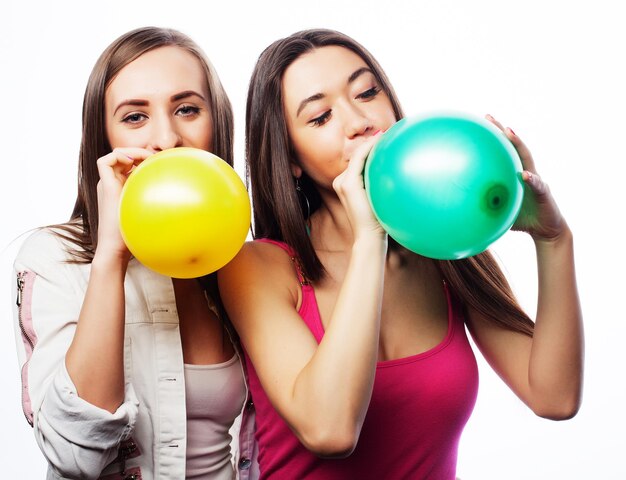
101,324
114,168
539,216
350,189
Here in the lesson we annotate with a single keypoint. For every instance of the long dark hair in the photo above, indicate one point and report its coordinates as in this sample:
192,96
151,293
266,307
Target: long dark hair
82,229
279,212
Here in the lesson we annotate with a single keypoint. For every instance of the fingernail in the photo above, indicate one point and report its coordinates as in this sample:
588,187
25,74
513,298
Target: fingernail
511,130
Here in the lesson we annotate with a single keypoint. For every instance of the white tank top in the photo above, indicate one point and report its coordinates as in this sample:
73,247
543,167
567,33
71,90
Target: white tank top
214,396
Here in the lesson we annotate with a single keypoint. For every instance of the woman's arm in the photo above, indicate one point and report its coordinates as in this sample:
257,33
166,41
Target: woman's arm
95,359
322,391
77,438
545,371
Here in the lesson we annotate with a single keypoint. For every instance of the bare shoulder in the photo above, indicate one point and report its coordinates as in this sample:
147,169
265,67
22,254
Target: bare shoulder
260,270
261,259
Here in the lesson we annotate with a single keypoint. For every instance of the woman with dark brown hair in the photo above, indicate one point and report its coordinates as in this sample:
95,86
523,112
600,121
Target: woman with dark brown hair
358,360
127,373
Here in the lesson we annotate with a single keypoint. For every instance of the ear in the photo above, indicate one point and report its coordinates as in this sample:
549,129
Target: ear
296,170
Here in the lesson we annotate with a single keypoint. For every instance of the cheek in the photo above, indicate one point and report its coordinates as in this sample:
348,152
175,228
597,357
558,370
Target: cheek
319,146
124,137
387,116
200,135
391,120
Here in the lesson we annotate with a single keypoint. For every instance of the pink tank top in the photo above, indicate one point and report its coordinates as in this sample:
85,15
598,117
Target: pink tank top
419,407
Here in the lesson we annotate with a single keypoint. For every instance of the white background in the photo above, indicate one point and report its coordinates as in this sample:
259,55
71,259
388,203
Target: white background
553,71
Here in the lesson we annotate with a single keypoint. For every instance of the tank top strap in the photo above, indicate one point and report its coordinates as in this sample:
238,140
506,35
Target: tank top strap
292,254
455,307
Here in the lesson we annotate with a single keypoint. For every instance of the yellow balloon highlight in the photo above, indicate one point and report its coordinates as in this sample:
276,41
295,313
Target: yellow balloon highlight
184,212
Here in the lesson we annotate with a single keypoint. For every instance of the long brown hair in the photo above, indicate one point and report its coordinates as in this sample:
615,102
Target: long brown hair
82,229
280,213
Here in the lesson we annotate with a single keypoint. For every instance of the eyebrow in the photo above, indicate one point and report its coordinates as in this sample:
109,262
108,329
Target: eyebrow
174,98
186,94
318,96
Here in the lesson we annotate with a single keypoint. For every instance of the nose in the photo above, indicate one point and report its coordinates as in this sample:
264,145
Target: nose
164,134
356,122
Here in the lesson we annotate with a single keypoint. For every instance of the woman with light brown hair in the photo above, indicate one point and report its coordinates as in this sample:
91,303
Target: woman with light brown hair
356,348
127,373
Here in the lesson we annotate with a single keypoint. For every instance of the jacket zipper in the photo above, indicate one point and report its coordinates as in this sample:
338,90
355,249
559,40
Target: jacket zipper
20,291
125,451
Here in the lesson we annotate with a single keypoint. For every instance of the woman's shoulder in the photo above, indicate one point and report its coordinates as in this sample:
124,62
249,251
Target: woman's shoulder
261,280
264,249
263,258
45,245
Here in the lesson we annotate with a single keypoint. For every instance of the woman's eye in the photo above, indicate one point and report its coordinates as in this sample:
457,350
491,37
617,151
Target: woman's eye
188,110
133,118
321,120
369,93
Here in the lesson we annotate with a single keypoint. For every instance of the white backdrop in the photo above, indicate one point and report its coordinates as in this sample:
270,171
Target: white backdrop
550,70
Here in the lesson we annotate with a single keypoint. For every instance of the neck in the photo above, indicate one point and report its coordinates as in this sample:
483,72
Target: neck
330,228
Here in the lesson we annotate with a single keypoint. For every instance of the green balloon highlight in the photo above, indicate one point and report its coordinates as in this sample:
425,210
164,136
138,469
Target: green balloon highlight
444,186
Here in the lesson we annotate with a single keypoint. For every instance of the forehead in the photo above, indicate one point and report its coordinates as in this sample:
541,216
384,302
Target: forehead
320,70
160,71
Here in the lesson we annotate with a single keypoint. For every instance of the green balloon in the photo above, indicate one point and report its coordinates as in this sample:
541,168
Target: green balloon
444,186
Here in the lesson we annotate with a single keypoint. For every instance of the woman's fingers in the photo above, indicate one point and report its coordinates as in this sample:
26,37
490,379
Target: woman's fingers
536,184
524,153
357,161
351,191
540,215
354,170
120,162
114,169
494,121
522,150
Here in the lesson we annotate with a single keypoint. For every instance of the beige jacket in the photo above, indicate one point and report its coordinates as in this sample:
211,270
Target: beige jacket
145,437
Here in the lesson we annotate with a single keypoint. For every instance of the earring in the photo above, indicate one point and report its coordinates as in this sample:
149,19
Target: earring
308,206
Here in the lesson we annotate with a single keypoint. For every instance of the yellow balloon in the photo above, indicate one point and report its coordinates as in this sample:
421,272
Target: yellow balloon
184,212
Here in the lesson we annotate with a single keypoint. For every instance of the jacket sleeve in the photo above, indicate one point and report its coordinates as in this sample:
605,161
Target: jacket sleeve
77,438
